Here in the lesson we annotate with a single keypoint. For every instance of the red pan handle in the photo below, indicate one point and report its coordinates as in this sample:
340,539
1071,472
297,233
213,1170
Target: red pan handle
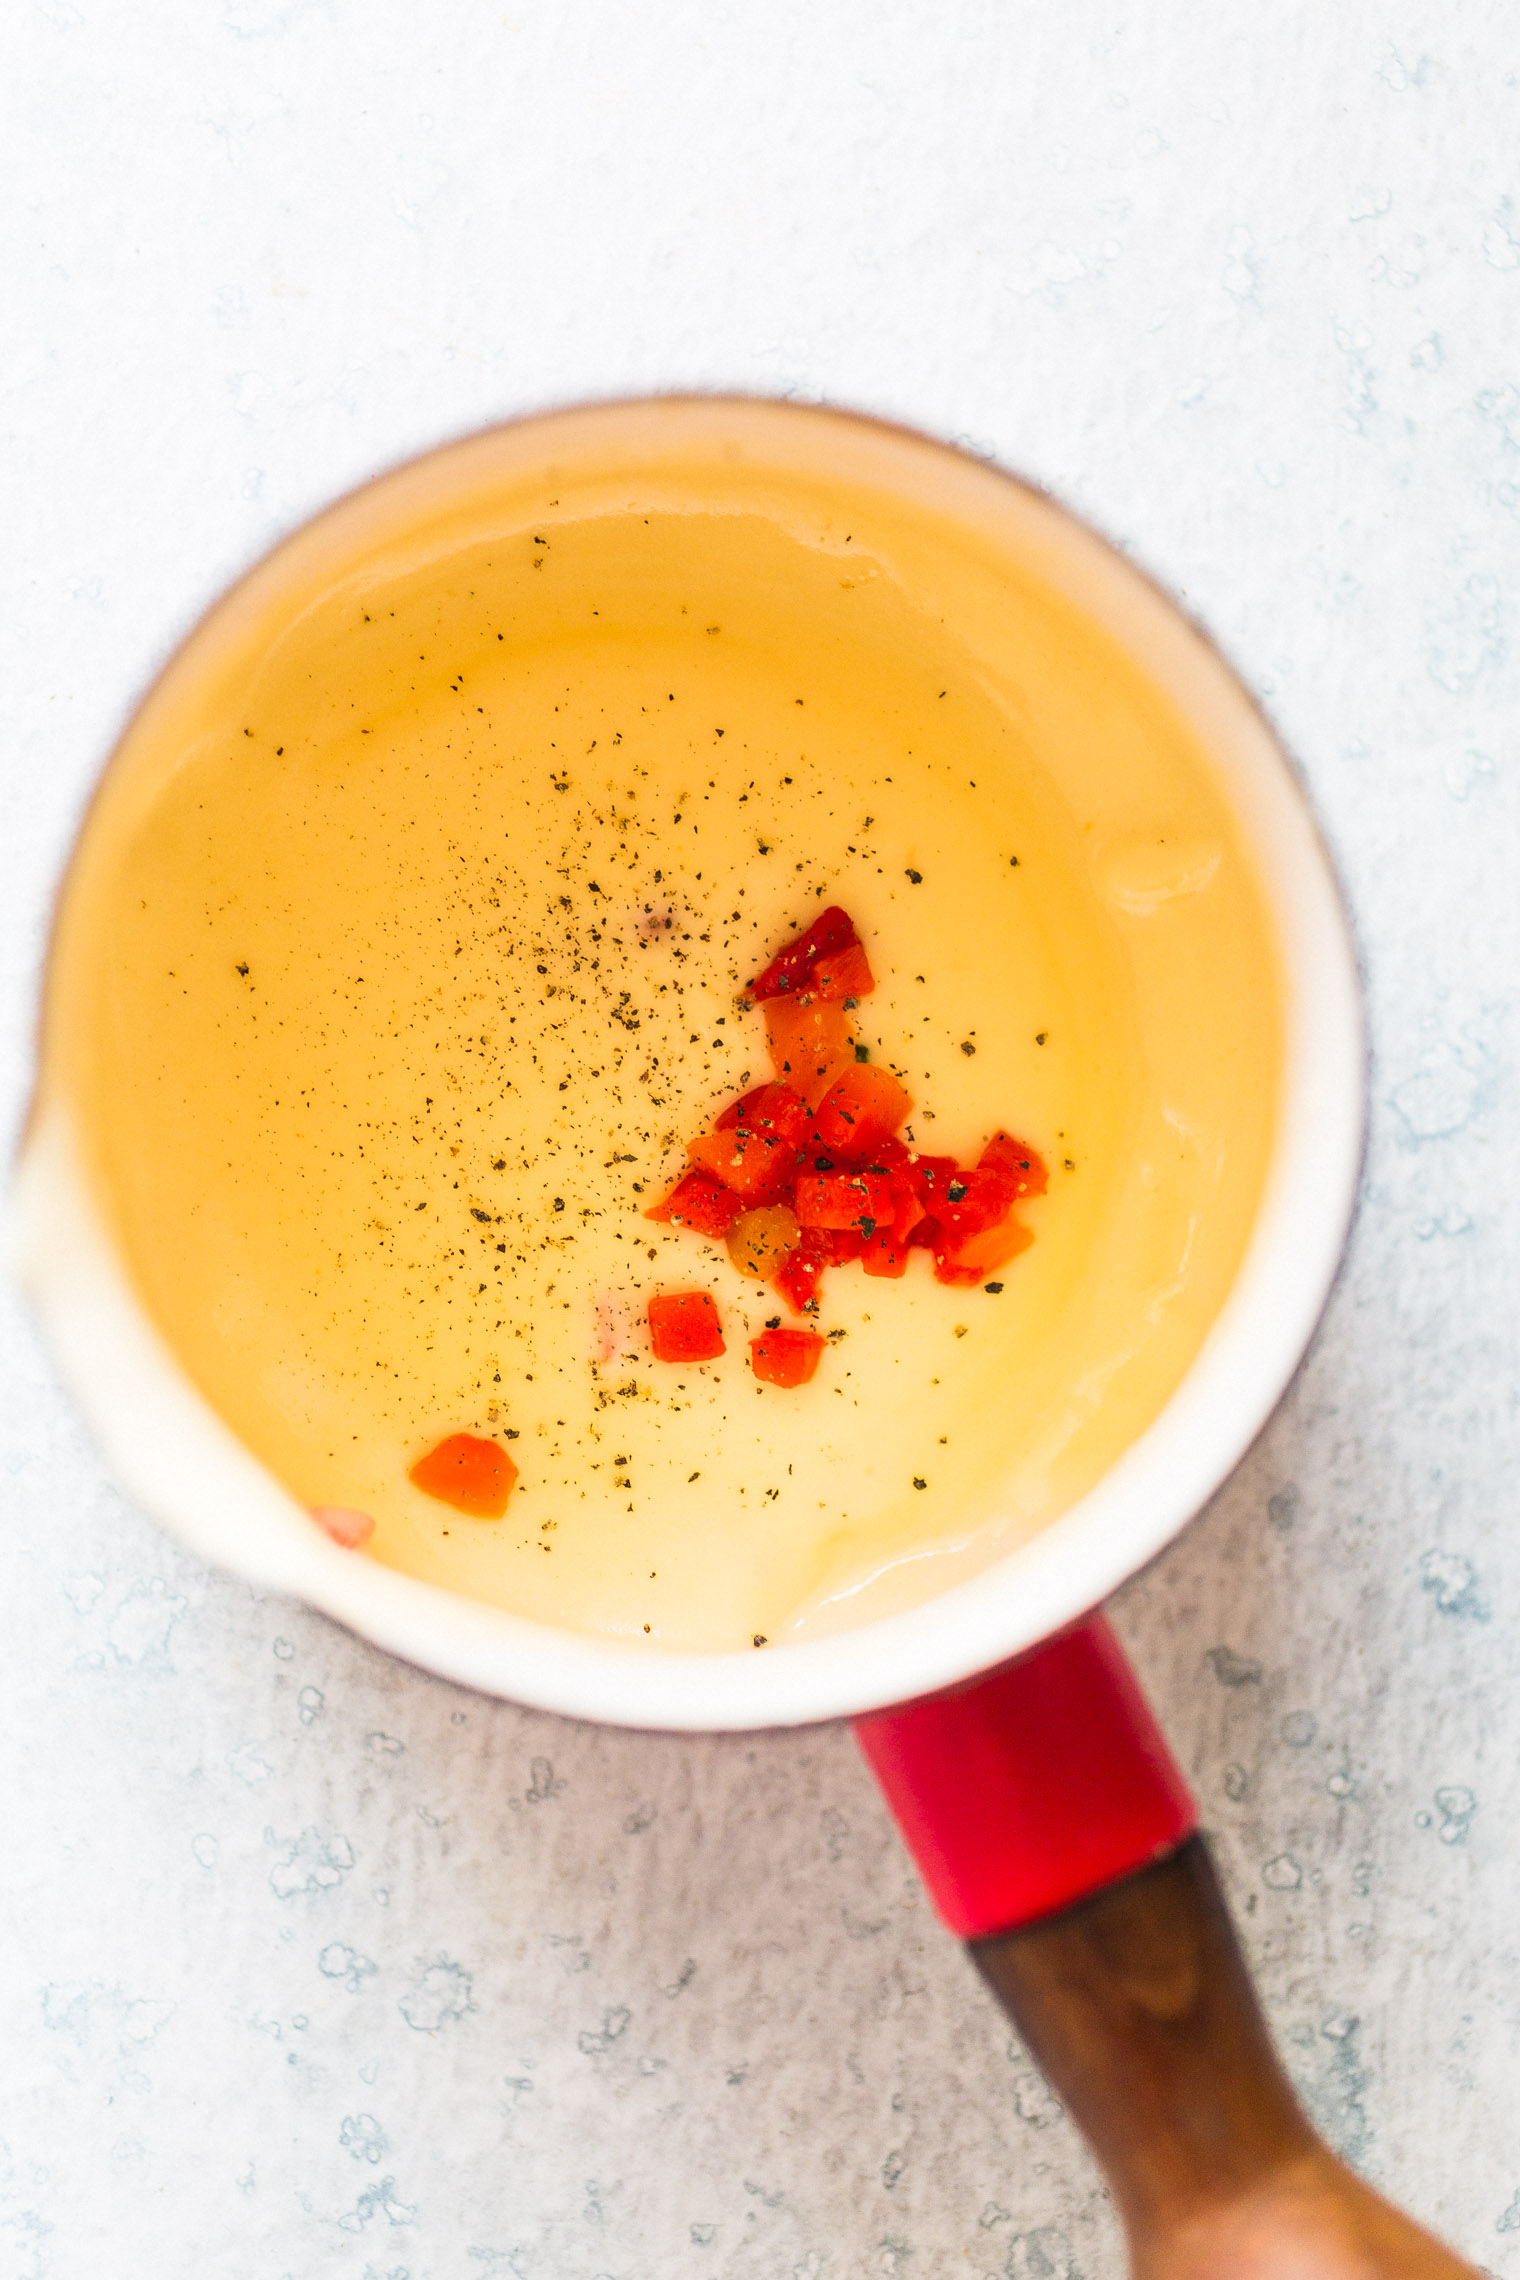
1057,1835
1034,1785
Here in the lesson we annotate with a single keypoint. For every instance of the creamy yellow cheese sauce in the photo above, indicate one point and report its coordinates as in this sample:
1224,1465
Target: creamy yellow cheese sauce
401,962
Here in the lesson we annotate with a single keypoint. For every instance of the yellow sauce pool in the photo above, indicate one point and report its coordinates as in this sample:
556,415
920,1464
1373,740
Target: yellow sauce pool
401,960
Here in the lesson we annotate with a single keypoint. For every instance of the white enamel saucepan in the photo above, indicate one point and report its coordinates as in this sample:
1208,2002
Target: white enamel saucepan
1023,1793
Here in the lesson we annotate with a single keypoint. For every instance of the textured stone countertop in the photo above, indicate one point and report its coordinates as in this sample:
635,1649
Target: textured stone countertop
313,1965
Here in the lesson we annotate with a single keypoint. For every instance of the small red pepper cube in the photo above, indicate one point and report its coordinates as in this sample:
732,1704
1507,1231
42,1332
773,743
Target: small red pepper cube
786,1357
799,1279
756,1165
736,1111
844,1199
684,1326
974,1200
811,1198
931,1175
792,968
845,1243
778,1109
845,974
476,1477
891,1155
861,1111
1027,1169
811,1044
884,1255
907,1210
878,1199
973,1258
774,1108
700,1204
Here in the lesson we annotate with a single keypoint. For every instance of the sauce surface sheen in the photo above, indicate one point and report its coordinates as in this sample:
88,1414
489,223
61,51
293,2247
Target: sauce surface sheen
397,994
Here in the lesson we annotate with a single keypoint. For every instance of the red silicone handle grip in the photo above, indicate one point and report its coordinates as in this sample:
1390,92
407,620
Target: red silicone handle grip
1034,1786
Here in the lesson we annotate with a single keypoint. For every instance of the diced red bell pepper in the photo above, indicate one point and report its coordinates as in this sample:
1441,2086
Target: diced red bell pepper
974,1257
974,1200
684,1326
1019,1161
810,1045
1027,1169
792,968
786,1357
756,1165
799,1279
845,974
699,1203
735,1112
818,1150
844,1199
931,1175
884,1255
769,1108
776,1108
475,1477
907,1210
860,1111
891,1155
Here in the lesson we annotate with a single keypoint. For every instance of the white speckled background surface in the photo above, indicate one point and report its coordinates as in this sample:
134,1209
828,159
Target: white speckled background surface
312,1965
